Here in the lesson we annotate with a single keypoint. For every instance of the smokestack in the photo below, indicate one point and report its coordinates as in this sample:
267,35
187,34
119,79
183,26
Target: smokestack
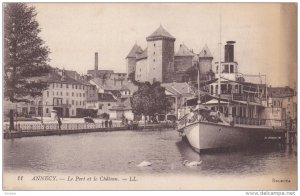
96,60
229,51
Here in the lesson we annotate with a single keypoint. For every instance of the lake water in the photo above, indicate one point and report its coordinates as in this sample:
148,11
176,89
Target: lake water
121,151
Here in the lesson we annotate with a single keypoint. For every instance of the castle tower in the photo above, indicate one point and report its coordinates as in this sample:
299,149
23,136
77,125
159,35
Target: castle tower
131,58
205,60
160,56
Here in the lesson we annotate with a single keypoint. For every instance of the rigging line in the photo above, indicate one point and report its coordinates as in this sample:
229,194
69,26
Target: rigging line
251,75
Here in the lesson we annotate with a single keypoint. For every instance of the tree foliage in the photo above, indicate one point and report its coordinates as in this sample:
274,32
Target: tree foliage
25,55
150,99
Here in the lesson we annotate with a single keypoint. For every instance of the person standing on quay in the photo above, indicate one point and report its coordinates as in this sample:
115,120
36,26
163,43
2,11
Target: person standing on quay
59,122
110,123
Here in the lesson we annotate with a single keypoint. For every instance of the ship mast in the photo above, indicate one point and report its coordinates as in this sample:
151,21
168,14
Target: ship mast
219,69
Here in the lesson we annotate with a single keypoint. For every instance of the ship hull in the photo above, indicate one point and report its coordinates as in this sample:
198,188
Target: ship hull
205,135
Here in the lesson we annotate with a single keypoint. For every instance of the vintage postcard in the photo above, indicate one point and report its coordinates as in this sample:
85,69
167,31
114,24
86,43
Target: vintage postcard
150,96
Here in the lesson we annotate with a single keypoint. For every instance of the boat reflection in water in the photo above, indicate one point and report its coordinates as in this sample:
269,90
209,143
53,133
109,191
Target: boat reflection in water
263,159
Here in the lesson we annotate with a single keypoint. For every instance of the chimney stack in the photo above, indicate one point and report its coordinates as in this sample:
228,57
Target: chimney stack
96,60
229,51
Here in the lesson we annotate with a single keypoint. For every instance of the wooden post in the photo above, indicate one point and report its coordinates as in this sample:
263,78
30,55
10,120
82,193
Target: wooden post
11,120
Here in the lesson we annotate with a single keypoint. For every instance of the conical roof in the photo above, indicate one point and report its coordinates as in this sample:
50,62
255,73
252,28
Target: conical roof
160,33
205,53
184,51
136,49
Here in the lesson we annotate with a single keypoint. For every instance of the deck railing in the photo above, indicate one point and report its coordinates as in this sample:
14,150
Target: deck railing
27,127
259,122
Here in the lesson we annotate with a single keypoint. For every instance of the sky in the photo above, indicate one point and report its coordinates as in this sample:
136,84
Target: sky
265,34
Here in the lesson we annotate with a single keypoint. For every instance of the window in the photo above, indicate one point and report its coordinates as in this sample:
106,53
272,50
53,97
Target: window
231,69
72,94
153,60
67,101
57,93
100,106
154,44
75,86
61,93
72,112
108,104
79,86
56,85
76,102
211,89
233,111
216,90
53,85
47,110
61,85
153,52
83,94
72,86
83,87
226,69
83,102
47,93
72,102
67,85
79,102
79,94
67,93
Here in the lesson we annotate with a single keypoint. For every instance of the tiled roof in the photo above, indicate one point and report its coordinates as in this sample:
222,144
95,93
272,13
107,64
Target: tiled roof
160,33
184,51
66,77
106,97
177,88
136,49
280,92
143,55
205,53
122,105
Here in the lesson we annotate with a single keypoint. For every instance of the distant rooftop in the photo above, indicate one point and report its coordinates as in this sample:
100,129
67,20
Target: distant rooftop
136,49
205,53
160,33
184,51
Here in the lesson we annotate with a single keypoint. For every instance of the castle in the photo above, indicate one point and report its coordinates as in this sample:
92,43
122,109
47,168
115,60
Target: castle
159,62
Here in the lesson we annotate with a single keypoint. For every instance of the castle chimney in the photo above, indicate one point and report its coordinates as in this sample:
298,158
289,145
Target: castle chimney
229,51
96,60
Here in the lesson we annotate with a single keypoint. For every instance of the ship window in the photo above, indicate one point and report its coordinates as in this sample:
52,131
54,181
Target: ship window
233,112
231,69
223,89
226,69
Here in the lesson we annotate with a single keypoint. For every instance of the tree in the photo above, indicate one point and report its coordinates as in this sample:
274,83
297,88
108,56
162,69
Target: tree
150,99
25,55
